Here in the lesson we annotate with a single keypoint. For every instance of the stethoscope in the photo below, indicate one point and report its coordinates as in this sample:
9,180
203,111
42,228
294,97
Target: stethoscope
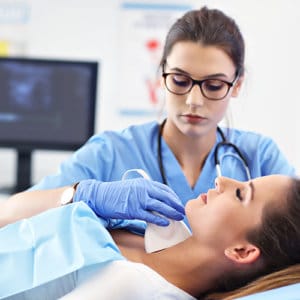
224,142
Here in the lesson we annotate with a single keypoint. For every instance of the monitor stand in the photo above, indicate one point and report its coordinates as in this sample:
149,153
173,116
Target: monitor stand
23,173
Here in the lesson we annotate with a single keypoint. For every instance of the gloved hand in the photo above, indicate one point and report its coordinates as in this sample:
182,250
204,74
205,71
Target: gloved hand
131,199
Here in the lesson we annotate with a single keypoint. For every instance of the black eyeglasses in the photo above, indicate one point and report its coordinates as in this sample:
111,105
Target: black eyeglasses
212,89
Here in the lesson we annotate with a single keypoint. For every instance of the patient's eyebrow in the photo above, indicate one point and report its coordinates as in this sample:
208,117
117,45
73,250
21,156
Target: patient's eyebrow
251,185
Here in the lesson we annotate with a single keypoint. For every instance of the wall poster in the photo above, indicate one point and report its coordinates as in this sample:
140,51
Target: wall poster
143,27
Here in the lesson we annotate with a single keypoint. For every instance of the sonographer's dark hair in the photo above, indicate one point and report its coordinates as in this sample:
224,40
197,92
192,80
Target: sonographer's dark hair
278,238
209,27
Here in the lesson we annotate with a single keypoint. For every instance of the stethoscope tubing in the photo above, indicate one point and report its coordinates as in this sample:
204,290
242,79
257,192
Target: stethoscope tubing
159,154
224,142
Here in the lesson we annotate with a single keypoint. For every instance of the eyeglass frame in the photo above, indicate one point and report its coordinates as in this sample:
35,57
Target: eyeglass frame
199,83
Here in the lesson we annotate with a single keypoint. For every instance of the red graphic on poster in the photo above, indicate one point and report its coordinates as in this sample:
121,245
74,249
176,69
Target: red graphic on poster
153,83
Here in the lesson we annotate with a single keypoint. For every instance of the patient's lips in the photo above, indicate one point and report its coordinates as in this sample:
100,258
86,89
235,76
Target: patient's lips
204,198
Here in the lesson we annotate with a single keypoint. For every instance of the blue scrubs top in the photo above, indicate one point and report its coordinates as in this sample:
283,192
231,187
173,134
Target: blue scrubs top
108,155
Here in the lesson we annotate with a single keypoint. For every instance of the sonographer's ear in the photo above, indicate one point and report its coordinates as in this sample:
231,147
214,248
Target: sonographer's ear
237,87
246,253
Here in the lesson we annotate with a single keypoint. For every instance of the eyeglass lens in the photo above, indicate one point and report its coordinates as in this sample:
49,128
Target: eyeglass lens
211,88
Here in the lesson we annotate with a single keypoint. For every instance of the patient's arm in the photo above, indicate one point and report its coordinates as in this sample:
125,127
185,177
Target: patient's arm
28,203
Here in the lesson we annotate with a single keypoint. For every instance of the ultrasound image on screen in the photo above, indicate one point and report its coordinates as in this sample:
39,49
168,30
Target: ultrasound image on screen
46,101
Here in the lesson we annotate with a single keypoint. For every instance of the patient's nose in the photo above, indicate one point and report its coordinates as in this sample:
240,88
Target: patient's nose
218,184
221,183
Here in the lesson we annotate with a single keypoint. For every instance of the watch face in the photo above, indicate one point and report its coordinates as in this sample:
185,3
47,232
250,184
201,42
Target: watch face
67,196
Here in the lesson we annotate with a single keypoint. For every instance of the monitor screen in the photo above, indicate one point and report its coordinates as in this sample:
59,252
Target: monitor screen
46,104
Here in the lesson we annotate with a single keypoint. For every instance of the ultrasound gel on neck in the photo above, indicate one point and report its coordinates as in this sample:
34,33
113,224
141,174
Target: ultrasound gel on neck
160,237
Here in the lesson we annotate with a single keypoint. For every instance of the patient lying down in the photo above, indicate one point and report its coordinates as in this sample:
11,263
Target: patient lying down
241,231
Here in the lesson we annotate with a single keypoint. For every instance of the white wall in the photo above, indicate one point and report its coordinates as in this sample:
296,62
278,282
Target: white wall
270,101
89,29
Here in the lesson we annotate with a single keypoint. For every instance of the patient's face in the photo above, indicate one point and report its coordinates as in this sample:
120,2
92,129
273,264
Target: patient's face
225,214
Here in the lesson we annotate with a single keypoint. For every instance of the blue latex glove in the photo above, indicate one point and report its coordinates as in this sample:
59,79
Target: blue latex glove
131,199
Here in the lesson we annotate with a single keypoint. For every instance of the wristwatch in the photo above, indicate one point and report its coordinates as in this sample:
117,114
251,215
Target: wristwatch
68,194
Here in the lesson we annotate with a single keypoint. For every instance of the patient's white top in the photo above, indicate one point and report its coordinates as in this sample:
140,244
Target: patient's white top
117,280
121,280
48,262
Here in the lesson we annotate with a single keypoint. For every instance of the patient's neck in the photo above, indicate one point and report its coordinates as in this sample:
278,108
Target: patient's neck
130,245
184,265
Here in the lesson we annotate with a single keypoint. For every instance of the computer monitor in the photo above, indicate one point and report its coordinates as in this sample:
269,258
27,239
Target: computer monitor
45,104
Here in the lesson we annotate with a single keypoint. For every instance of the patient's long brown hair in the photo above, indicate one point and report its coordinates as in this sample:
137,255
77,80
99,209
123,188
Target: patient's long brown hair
277,279
278,238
